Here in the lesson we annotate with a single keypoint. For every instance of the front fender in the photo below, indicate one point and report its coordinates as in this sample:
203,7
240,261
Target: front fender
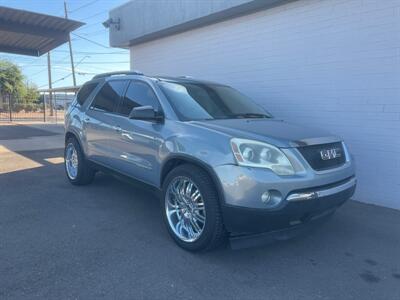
207,153
212,151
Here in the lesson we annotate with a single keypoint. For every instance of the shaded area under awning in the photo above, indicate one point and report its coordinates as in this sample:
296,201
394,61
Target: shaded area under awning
28,33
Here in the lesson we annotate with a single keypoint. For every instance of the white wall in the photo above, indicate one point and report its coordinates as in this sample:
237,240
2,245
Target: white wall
333,64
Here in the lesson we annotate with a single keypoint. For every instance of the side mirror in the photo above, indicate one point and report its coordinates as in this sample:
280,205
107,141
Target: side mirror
145,113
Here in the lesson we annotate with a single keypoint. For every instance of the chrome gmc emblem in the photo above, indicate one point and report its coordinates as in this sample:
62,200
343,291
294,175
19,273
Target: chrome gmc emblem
327,154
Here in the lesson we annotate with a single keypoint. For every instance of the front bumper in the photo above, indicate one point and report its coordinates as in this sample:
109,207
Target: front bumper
322,191
305,196
264,238
242,221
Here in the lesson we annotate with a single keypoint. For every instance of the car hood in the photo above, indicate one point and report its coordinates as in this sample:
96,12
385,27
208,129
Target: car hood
273,131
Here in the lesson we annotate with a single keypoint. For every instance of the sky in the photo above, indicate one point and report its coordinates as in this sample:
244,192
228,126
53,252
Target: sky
89,58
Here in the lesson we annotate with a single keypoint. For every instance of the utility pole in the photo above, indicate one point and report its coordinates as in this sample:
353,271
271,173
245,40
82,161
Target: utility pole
50,86
70,47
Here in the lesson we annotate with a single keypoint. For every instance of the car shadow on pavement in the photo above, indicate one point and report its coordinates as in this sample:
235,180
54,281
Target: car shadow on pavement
107,240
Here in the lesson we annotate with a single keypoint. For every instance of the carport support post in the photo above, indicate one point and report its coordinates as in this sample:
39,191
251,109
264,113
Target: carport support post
50,87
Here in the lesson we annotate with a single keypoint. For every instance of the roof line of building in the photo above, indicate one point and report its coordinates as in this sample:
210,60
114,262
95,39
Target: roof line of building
218,16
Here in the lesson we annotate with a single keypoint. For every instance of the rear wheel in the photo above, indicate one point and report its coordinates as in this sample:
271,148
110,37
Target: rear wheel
76,166
191,209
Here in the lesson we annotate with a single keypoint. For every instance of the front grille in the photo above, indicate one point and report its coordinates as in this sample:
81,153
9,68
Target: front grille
324,156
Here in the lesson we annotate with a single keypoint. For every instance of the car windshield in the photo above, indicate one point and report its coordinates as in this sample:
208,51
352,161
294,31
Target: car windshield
200,101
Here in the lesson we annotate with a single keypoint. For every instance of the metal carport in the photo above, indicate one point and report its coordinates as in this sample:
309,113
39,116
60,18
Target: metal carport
29,33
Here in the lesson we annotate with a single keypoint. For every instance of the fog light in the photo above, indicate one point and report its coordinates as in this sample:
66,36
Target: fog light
271,198
265,197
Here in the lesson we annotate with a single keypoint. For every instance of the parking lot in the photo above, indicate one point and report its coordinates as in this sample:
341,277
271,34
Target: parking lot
107,240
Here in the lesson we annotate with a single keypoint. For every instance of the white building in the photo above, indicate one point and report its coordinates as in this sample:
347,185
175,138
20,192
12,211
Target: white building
333,64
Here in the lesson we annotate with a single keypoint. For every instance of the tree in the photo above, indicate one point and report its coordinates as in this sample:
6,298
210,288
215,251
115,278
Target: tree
31,93
13,89
11,80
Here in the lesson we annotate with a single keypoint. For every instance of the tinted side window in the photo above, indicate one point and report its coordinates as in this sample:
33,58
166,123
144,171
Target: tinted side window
138,94
85,91
109,95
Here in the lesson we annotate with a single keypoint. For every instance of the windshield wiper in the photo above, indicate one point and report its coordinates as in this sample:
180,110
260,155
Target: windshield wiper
250,115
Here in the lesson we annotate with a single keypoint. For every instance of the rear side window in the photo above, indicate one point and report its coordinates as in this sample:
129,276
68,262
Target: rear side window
138,94
85,91
109,95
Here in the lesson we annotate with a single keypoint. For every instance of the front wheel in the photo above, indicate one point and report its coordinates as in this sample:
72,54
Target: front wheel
76,166
191,209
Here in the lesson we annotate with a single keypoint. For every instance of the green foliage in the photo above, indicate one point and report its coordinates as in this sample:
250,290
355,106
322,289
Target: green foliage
31,93
29,107
26,107
17,107
11,79
12,84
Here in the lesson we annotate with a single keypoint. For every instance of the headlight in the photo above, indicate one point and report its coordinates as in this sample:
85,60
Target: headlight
261,155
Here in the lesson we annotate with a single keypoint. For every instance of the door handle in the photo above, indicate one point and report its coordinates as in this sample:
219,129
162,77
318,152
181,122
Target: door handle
86,120
118,129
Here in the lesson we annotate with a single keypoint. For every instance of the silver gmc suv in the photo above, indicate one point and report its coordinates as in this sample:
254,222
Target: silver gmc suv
224,166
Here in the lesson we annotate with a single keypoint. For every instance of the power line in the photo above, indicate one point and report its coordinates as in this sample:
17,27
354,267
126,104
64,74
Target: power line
105,62
65,77
62,59
55,81
89,25
87,63
97,68
92,32
37,63
91,53
41,71
78,72
93,42
79,62
83,6
95,15
98,33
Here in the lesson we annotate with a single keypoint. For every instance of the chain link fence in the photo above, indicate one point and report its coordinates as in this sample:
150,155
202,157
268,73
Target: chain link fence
49,107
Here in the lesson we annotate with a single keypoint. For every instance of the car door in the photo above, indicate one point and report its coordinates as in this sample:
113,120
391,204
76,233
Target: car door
138,141
99,123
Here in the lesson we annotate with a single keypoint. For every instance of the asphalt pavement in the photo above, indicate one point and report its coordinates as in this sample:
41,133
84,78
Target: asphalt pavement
107,240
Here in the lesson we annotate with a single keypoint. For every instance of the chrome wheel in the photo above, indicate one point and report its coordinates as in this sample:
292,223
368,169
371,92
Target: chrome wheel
71,161
184,207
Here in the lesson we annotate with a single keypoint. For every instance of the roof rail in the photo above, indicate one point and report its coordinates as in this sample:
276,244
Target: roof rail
117,73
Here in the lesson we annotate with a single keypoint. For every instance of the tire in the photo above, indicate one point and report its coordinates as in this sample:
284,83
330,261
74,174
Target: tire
84,173
213,232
